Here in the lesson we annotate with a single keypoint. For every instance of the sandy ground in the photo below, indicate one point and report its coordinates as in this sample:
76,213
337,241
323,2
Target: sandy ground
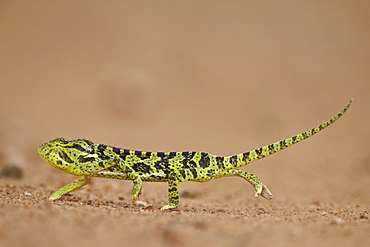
205,76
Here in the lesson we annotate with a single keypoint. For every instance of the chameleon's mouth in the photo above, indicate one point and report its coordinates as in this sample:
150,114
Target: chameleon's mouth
51,156
42,151
40,148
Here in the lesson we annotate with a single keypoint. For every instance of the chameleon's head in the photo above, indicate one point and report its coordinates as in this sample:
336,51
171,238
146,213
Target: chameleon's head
65,154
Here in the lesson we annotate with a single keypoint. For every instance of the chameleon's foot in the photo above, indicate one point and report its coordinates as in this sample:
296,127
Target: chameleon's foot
136,195
136,190
52,197
70,187
169,206
264,192
135,198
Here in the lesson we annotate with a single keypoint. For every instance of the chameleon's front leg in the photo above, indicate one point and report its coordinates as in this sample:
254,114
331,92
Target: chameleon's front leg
70,187
133,175
136,188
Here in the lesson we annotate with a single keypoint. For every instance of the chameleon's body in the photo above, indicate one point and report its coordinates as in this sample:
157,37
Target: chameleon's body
82,157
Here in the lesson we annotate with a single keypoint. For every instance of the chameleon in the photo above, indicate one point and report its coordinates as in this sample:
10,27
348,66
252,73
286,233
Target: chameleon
81,157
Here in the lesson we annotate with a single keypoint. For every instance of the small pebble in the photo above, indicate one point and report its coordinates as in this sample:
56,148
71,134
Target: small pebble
141,203
337,221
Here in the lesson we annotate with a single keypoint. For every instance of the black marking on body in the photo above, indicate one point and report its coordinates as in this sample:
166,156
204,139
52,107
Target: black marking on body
141,167
77,146
246,155
160,154
116,150
220,162
172,155
194,172
258,151
182,173
101,164
234,160
84,159
159,165
204,160
122,156
186,161
145,155
192,163
65,157
283,144
103,157
294,139
189,155
172,189
169,155
101,148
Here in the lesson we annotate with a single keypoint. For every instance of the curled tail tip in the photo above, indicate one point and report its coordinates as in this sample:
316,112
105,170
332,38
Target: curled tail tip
349,102
347,106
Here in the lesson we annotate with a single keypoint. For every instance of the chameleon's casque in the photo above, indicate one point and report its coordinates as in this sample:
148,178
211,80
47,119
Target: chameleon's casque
82,157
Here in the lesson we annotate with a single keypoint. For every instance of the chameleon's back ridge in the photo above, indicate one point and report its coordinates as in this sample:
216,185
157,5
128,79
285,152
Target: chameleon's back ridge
82,157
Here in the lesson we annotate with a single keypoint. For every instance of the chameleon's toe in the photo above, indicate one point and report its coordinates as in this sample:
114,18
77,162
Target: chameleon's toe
264,192
58,194
168,206
53,198
135,195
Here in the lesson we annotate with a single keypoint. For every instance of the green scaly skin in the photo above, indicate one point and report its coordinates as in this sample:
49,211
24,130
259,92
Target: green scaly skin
82,157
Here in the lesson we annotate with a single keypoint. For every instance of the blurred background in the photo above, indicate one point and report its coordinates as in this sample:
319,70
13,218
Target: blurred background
222,77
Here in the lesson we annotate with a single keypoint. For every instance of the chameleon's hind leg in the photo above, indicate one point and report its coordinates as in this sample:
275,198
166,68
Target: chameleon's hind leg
70,187
173,193
259,188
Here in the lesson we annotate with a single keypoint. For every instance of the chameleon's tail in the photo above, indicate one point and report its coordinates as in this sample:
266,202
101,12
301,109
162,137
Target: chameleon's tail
259,153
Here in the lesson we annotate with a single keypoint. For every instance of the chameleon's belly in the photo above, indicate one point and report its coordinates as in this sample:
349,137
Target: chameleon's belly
155,179
158,176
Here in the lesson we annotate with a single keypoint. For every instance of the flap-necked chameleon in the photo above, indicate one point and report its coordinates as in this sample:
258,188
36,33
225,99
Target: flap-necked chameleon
82,157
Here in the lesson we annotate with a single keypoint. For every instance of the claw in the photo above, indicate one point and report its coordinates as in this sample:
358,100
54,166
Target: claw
136,196
264,192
